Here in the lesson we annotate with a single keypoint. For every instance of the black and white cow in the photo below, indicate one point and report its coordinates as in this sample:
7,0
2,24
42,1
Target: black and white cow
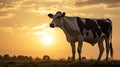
79,29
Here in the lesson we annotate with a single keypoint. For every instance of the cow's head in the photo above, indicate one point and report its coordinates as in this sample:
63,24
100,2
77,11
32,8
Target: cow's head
57,19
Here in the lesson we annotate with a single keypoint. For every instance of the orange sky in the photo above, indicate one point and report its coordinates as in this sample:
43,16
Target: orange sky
23,23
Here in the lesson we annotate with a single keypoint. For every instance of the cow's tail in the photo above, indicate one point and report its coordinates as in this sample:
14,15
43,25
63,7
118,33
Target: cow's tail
110,40
111,48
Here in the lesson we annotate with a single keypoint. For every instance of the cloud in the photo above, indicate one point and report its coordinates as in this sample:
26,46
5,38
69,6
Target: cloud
7,8
6,29
51,6
4,15
109,15
108,3
18,8
40,26
42,7
42,29
6,5
16,30
114,5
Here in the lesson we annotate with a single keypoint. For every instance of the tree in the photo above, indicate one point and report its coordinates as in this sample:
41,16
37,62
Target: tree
46,58
1,57
6,57
14,58
84,59
37,59
30,58
69,59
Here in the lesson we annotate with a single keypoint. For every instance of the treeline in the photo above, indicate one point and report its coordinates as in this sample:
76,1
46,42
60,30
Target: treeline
21,58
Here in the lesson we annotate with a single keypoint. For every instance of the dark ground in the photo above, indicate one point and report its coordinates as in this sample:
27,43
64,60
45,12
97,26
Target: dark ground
55,63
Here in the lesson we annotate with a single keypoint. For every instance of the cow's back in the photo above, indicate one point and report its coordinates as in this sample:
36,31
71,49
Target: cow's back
94,29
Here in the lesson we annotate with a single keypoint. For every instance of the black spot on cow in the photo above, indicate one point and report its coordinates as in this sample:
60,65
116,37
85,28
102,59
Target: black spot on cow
104,25
91,25
87,33
80,24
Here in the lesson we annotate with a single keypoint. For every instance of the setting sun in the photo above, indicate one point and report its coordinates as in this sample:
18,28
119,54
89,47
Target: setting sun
47,40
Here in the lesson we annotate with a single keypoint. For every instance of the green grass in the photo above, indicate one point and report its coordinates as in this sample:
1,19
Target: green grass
57,63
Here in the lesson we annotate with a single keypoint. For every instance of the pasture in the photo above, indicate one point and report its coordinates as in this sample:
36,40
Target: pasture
61,63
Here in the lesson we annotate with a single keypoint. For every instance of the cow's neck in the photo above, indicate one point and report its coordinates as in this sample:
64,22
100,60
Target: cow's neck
69,26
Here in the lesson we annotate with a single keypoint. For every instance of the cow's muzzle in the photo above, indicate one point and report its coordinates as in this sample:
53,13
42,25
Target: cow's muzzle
52,25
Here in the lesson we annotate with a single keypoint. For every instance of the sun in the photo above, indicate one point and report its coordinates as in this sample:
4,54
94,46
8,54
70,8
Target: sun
47,40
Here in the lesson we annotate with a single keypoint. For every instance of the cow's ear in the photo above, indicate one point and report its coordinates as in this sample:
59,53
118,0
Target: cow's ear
50,15
63,14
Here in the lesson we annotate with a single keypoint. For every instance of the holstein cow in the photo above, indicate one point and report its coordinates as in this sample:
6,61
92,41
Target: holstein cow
79,29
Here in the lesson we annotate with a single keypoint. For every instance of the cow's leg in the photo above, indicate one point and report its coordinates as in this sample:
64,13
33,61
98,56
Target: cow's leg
107,48
79,49
101,48
73,51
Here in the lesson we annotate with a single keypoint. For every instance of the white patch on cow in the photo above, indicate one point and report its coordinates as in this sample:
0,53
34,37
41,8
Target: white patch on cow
83,20
70,28
97,23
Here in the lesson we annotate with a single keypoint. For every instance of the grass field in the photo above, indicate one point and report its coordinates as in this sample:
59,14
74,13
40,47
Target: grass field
58,63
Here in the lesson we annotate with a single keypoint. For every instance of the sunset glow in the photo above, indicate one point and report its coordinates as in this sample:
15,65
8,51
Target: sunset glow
24,26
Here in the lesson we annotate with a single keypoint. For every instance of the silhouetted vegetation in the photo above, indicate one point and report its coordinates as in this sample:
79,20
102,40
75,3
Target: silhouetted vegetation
46,61
46,58
19,58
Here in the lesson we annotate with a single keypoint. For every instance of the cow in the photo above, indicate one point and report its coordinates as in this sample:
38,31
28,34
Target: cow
90,30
